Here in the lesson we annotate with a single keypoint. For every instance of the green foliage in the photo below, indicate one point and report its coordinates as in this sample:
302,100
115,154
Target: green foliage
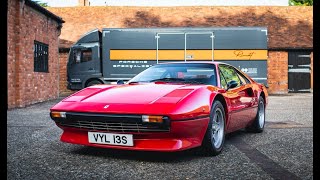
41,3
301,2
229,74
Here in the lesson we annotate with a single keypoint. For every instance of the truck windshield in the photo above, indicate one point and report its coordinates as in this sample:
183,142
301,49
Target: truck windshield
81,55
179,72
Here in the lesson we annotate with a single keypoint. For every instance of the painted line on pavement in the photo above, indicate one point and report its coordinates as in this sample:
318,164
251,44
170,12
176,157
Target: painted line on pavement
264,162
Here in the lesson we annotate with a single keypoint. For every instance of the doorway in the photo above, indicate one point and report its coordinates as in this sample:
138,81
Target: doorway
299,71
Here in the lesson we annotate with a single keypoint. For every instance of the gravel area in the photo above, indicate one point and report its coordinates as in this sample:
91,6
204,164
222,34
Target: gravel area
293,108
35,152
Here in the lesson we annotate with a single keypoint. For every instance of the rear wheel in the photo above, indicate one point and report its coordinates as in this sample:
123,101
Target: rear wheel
93,82
258,125
213,141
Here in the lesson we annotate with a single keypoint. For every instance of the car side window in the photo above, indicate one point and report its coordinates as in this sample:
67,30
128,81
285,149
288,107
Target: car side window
223,82
229,74
242,78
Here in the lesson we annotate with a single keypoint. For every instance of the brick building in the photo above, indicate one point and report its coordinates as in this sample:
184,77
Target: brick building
290,31
32,53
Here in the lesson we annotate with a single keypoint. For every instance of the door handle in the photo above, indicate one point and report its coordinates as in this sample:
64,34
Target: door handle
90,69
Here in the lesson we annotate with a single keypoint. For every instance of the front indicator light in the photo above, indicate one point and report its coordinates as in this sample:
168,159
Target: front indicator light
56,114
152,119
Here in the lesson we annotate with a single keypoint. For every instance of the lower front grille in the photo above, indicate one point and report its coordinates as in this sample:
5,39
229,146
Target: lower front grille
111,123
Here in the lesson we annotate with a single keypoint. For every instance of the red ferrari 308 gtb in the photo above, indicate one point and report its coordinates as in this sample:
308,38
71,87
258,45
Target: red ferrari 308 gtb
167,107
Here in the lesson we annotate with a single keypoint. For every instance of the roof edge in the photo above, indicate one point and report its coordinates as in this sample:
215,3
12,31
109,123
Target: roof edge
289,48
44,11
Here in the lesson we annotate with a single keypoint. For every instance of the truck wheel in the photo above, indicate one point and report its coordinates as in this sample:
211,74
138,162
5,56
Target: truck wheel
93,82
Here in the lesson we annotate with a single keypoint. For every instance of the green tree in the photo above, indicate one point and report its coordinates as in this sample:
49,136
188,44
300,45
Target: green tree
41,3
301,2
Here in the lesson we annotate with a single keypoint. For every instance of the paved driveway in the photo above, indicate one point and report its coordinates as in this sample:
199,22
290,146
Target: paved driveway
283,151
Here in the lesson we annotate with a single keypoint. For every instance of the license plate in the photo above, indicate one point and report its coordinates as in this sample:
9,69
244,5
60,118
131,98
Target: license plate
110,138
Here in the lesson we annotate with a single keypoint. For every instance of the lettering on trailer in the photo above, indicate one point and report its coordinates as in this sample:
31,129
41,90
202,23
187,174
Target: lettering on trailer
240,53
250,71
132,64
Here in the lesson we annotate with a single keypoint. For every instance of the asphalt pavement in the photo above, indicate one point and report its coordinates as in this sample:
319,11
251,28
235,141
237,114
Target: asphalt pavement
283,151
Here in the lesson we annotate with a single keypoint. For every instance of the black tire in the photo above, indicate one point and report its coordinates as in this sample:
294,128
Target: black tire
210,146
93,82
258,124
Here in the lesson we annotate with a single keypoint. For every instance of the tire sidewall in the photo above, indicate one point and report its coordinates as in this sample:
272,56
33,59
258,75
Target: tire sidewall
215,105
257,116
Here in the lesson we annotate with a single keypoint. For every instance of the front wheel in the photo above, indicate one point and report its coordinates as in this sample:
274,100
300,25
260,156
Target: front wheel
214,138
258,124
93,82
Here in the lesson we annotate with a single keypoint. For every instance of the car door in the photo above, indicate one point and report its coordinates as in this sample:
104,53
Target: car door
247,98
240,97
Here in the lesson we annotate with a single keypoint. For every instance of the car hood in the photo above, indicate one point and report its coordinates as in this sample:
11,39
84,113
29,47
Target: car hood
134,94
149,98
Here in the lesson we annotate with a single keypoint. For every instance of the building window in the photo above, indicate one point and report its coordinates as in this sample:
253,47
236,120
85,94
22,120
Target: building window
41,55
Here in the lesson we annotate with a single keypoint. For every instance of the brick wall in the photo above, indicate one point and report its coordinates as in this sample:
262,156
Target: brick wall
11,55
277,72
63,60
288,27
24,26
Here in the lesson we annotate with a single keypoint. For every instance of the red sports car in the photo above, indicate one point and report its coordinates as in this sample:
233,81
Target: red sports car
167,107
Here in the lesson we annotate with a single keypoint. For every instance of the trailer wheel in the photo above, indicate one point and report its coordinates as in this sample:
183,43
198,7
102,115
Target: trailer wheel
93,82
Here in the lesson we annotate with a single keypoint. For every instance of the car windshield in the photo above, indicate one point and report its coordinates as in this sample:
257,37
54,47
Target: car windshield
194,73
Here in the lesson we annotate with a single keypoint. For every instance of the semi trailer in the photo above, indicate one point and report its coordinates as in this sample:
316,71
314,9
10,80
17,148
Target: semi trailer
112,54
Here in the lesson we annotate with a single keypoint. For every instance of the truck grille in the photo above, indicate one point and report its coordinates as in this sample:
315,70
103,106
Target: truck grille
111,123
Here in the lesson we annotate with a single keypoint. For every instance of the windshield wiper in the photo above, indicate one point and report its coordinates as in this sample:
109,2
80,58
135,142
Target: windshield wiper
134,82
137,82
168,79
193,82
177,80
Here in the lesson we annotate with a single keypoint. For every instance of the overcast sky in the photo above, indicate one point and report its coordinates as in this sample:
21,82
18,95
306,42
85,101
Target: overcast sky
67,3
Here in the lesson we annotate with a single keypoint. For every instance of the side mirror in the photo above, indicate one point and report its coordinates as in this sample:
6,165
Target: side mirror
120,82
232,84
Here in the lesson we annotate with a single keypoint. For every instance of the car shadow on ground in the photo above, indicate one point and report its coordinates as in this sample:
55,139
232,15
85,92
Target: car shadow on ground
151,156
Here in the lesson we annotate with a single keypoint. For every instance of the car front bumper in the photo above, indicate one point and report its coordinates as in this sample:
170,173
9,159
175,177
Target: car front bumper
183,135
